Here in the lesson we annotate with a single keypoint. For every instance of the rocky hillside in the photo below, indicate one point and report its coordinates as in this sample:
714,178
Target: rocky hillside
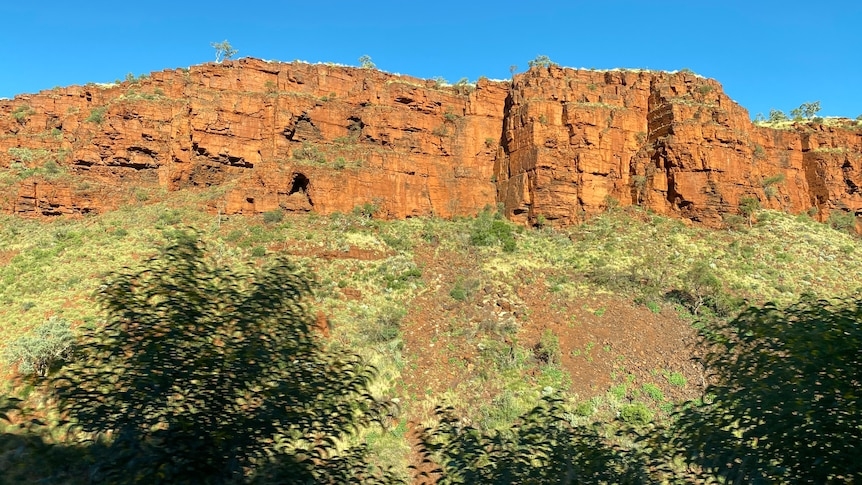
553,146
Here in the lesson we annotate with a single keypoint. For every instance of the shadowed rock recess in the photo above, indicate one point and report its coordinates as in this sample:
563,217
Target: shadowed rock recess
553,145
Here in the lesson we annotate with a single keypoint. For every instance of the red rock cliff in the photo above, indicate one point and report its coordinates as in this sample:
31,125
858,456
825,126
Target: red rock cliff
554,144
576,141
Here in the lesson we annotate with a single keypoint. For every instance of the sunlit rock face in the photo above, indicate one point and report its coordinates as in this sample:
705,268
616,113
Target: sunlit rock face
552,145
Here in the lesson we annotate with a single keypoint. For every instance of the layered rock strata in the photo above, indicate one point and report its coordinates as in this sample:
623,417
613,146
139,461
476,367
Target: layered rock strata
551,146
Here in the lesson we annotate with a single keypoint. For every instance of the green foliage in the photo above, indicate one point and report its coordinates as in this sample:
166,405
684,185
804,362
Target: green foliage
223,50
776,115
273,216
22,113
653,391
366,210
840,220
547,350
704,89
26,155
541,61
773,179
543,447
309,153
387,325
759,153
490,229
701,286
636,414
786,405
45,347
676,379
203,374
97,115
805,111
463,86
365,62
459,291
769,183
748,206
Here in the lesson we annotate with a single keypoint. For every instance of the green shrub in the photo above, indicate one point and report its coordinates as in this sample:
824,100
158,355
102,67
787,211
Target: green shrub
387,325
258,252
491,229
748,206
653,391
97,115
805,111
51,167
459,291
541,61
366,210
769,184
398,243
36,352
842,220
399,273
774,179
759,152
273,216
22,113
309,153
636,414
584,409
619,391
25,155
676,379
547,350
776,115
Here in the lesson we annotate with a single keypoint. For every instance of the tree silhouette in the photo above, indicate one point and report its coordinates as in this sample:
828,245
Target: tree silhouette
204,374
542,448
784,406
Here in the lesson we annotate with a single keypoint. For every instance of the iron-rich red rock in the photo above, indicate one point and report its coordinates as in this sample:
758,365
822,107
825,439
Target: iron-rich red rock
553,145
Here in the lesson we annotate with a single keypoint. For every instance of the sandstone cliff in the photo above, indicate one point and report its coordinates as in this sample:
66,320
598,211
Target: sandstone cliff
553,145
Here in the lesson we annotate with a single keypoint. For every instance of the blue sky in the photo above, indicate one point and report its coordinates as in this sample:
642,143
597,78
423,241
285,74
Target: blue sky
767,54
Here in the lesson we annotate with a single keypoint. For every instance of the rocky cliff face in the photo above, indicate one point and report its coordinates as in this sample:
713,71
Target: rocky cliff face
577,141
552,146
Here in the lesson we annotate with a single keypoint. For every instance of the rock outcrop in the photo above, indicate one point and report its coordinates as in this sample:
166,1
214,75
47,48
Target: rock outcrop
578,141
552,146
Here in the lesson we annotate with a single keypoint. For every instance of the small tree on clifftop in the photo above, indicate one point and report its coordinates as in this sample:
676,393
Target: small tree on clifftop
223,50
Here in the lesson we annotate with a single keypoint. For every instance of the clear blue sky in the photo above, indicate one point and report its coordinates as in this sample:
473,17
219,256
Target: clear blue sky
767,54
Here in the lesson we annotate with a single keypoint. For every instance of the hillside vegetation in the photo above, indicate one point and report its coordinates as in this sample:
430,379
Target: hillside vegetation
598,323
